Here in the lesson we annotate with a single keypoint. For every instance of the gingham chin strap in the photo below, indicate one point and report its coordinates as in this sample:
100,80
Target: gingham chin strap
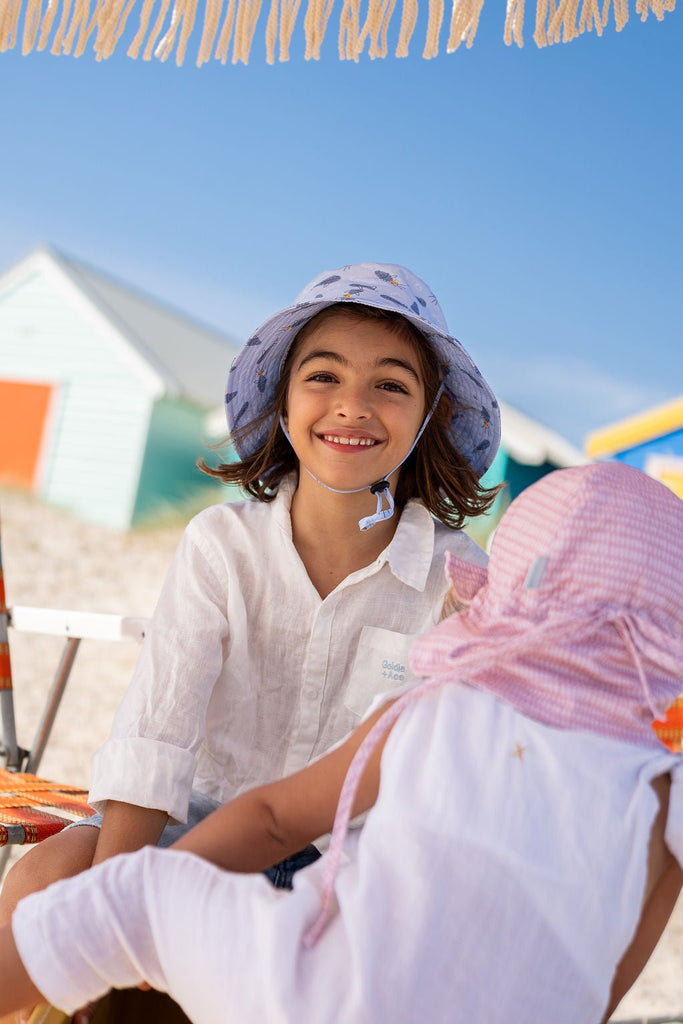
380,488
347,797
624,625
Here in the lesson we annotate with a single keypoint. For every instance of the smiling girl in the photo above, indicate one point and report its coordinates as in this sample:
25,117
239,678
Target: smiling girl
362,429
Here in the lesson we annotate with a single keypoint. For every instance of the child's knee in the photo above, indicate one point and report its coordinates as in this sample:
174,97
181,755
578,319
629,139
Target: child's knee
58,857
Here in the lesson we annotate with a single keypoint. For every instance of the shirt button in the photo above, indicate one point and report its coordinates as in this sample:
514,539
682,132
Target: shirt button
310,693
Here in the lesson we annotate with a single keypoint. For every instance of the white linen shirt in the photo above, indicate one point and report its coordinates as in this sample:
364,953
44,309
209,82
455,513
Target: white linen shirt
498,879
247,674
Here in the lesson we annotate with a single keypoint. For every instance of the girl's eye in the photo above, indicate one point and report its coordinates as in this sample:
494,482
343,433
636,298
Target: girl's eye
321,377
394,385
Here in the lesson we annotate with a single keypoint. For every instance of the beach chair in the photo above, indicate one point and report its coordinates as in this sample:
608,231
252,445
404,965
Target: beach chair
32,808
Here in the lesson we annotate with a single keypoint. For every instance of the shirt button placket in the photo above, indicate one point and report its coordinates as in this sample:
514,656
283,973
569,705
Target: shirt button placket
313,679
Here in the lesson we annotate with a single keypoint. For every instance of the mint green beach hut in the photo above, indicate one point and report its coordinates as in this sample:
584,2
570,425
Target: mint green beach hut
103,393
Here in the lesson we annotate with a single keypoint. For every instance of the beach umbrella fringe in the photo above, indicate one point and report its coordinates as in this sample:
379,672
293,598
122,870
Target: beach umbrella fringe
165,26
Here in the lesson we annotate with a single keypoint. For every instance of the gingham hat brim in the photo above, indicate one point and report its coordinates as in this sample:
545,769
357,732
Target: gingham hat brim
254,374
578,619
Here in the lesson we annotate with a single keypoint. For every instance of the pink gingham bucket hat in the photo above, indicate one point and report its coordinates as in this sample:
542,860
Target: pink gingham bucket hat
578,621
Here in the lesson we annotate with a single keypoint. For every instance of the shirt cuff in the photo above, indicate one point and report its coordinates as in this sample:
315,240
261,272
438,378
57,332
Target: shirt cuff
144,772
83,935
46,929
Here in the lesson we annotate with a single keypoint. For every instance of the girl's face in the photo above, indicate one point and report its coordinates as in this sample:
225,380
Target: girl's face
355,400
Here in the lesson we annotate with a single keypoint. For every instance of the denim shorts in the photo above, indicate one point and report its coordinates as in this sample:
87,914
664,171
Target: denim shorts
281,875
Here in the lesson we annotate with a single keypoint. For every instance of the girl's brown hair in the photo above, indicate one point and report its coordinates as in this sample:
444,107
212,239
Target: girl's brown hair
436,471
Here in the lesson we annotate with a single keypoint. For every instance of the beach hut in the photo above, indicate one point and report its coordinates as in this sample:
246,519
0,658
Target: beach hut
651,441
103,392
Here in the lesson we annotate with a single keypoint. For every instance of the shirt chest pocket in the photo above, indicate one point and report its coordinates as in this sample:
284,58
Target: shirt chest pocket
380,665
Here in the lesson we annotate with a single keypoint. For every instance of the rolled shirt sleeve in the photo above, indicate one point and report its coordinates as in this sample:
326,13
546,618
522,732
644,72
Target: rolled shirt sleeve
80,937
209,947
150,756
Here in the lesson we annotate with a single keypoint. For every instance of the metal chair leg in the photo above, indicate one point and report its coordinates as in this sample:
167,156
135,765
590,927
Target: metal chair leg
52,704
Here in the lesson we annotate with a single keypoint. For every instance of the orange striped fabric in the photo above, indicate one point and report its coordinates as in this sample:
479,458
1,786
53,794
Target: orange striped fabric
31,809
670,728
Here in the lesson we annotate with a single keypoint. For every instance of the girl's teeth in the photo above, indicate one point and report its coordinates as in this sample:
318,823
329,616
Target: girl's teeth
364,441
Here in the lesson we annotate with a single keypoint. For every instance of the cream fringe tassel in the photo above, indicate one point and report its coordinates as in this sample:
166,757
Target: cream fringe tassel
234,21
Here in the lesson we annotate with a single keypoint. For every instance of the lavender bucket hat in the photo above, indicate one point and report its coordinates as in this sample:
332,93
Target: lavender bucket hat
254,374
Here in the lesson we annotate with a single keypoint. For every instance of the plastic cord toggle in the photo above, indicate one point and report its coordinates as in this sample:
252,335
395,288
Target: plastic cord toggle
379,489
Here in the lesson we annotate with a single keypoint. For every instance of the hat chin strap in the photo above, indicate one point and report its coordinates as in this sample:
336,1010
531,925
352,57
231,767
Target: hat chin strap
380,488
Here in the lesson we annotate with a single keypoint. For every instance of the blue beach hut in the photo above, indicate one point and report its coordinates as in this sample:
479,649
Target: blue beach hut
651,441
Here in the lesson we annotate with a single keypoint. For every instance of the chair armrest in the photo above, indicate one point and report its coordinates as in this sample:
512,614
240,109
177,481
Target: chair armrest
82,625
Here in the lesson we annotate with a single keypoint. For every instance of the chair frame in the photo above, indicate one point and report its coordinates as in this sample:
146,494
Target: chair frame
74,627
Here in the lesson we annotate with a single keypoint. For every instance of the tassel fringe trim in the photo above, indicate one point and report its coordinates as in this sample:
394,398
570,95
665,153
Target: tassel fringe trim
165,27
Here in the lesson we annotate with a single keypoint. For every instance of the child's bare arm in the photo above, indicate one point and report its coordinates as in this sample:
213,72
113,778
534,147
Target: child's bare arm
267,824
17,991
126,827
665,878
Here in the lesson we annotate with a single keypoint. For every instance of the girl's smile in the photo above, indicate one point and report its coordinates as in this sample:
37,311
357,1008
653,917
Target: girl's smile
355,401
350,440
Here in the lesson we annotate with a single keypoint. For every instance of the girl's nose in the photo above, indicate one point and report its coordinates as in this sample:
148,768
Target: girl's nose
354,404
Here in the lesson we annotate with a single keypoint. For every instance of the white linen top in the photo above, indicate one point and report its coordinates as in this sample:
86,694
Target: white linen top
498,879
247,673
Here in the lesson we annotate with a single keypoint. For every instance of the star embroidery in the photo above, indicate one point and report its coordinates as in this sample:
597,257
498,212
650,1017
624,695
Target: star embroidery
519,751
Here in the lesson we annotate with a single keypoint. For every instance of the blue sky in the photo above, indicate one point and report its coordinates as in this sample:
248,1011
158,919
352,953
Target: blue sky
538,192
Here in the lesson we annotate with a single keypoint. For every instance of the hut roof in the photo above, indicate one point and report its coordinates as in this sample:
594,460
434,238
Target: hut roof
636,430
188,358
531,443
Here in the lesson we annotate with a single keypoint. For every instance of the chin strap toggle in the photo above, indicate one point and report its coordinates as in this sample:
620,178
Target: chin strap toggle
380,489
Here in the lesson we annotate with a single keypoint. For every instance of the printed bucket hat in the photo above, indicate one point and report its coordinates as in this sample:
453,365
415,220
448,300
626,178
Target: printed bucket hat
253,377
578,620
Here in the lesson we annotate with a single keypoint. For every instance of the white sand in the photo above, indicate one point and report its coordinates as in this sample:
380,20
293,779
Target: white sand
53,560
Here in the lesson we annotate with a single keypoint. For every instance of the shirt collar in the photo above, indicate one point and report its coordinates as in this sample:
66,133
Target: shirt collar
282,503
410,552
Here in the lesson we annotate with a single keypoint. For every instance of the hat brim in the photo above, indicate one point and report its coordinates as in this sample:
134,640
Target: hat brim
255,372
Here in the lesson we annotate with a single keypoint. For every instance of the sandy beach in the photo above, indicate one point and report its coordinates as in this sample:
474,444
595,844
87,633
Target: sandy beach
53,560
